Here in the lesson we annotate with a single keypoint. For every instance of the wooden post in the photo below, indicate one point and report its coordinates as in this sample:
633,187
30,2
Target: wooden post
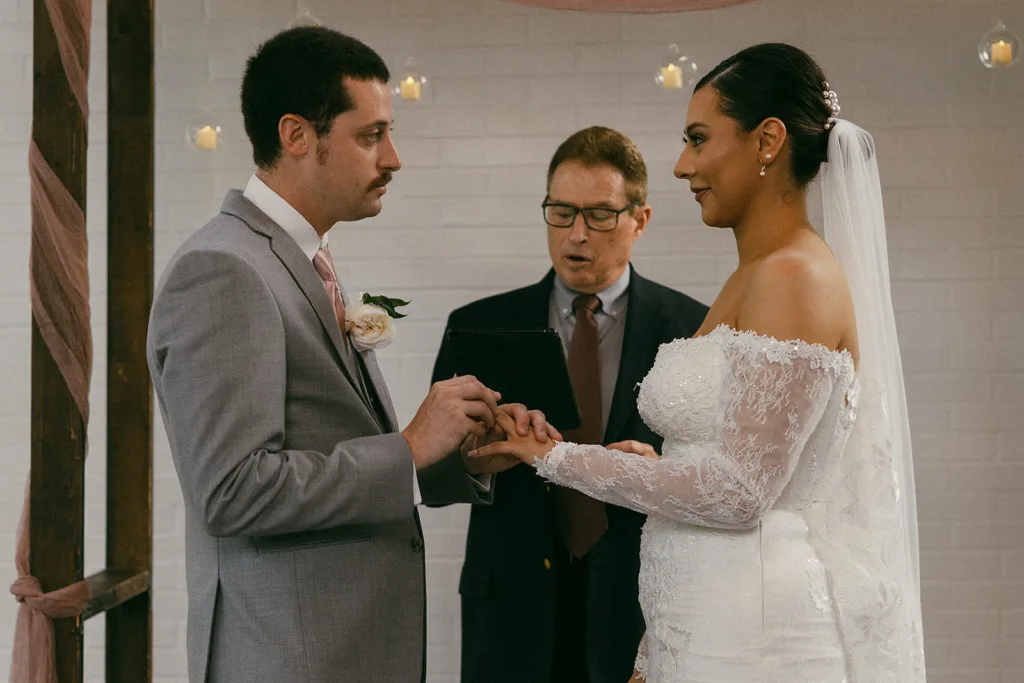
130,180
56,515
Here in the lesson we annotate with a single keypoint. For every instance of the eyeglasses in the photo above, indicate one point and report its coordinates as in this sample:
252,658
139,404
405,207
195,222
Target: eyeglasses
597,219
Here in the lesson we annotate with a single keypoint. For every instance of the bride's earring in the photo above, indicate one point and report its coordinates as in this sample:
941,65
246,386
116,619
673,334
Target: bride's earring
763,166
762,170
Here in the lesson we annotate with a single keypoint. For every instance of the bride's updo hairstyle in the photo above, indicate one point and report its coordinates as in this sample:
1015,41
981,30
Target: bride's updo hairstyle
775,80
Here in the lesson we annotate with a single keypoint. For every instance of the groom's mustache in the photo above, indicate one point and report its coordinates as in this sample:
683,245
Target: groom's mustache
382,181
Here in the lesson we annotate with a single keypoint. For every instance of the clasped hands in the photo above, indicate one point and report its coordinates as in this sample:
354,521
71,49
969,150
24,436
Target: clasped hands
462,414
517,435
518,445
517,438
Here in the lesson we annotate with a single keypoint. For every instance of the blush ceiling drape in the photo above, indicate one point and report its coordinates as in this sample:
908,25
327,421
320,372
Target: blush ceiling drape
630,6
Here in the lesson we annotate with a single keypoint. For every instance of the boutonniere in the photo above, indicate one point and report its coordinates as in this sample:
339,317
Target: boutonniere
371,324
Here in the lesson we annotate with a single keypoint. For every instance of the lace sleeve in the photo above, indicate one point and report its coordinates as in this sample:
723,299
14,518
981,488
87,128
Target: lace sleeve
767,411
641,658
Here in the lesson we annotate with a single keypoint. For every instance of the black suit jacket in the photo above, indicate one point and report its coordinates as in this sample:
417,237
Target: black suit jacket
507,580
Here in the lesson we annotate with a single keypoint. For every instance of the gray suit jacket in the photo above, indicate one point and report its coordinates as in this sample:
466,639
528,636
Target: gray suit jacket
304,551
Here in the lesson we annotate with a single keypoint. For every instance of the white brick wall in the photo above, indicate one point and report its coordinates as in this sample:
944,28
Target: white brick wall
508,83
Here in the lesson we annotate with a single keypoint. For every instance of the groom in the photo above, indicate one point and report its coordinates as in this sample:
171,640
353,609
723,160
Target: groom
304,549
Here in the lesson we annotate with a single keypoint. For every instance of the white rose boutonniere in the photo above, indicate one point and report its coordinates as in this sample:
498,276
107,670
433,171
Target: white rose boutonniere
371,324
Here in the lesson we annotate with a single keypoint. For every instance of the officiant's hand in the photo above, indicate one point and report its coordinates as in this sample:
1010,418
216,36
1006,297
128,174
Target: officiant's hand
525,448
638,447
452,410
526,422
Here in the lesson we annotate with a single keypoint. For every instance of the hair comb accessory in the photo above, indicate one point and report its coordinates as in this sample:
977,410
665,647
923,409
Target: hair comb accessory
832,102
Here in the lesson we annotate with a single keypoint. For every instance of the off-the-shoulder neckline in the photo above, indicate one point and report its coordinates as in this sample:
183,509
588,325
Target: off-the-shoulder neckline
799,344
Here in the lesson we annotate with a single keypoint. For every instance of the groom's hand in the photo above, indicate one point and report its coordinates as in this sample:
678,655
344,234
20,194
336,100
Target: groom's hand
449,414
485,465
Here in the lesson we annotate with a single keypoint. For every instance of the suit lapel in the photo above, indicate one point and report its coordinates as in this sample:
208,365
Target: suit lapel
535,304
302,271
380,388
644,322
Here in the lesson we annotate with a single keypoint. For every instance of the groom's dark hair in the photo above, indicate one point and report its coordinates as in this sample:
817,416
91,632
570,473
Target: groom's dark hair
300,71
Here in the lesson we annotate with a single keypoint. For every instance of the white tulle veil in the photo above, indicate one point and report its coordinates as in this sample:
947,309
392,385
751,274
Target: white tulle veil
866,529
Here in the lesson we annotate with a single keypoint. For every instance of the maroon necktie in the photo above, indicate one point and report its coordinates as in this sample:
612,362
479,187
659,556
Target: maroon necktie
580,520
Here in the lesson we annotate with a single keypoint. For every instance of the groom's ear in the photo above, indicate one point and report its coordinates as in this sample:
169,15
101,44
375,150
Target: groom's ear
295,135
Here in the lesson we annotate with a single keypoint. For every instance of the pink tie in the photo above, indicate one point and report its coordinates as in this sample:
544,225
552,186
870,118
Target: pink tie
324,265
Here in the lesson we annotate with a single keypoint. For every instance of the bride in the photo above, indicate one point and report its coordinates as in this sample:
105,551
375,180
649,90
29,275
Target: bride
781,539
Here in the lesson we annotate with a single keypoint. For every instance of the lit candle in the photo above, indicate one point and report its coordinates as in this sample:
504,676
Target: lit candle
671,77
206,138
409,89
1002,52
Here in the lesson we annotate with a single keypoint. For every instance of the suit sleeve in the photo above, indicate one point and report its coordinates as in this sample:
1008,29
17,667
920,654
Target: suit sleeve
443,364
218,359
448,482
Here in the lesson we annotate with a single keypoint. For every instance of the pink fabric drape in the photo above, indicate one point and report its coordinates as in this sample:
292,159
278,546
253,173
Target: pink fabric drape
630,6
72,21
59,274
32,659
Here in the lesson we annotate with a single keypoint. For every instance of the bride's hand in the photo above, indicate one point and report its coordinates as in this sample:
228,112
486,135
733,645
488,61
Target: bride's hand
638,447
526,448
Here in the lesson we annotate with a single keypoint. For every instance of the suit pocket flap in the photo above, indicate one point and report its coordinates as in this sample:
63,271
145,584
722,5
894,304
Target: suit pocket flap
475,582
311,539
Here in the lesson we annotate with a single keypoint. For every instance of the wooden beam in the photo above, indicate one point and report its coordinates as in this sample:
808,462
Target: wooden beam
130,178
110,589
56,515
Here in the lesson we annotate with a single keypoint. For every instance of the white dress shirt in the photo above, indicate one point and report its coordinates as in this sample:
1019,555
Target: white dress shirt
300,230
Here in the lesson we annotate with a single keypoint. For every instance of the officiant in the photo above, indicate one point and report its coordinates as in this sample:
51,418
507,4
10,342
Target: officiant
549,584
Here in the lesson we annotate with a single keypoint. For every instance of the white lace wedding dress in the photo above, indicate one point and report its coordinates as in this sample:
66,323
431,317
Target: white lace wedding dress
767,553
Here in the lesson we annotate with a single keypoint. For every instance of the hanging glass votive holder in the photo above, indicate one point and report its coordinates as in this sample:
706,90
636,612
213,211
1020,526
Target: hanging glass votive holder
204,135
411,83
1000,48
677,71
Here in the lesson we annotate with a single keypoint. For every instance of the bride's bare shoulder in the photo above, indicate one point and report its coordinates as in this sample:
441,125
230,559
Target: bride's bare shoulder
798,293
804,273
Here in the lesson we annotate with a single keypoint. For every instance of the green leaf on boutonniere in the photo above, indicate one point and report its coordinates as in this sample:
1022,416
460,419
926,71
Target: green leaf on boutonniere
387,303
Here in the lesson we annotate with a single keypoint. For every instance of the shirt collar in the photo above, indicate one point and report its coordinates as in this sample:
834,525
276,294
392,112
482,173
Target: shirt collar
612,297
285,215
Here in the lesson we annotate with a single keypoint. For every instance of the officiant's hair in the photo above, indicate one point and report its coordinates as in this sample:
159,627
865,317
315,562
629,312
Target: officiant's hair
300,71
781,81
598,146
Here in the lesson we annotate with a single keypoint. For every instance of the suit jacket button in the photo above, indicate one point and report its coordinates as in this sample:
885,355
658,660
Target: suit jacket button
547,563
417,544
547,487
